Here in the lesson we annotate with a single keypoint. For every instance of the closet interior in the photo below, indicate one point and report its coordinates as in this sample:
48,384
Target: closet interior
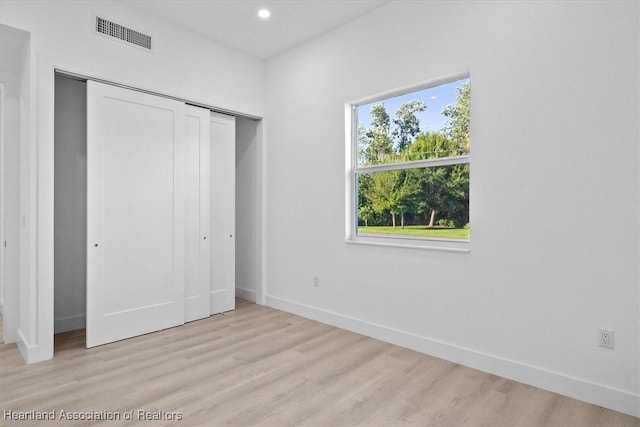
148,191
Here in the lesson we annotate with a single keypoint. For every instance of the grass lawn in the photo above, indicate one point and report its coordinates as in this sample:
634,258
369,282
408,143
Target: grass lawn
418,230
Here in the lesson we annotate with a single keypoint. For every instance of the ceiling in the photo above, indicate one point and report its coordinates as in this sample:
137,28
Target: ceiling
236,23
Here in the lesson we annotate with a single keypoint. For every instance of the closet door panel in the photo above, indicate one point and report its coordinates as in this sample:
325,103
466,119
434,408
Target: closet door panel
197,214
135,213
222,207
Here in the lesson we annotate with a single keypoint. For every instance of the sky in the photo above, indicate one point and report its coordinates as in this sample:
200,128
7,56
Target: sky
435,98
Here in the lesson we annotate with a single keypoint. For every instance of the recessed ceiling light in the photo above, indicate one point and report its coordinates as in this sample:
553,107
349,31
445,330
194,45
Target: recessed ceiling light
264,13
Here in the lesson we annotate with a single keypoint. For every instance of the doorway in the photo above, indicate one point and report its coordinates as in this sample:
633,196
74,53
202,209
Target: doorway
70,204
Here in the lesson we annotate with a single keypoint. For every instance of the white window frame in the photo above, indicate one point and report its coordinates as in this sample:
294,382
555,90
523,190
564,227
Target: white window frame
352,170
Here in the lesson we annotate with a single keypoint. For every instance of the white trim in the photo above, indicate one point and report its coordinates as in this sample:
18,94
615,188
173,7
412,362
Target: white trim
414,164
350,201
597,394
411,88
29,352
261,213
399,242
247,294
42,256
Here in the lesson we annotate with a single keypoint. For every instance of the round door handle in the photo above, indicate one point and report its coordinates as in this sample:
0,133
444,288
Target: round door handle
204,238
96,245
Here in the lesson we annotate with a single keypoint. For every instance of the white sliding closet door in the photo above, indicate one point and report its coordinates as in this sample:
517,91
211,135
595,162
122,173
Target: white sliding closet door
196,297
135,213
222,207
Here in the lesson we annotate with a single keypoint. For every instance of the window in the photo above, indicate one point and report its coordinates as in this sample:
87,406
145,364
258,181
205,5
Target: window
408,163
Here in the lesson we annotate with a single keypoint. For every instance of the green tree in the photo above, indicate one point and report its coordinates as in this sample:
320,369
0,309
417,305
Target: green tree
444,191
457,129
430,145
363,144
387,191
407,124
366,214
379,145
458,194
457,126
432,182
390,191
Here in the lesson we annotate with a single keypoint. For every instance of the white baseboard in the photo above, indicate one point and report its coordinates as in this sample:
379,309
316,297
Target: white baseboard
597,394
29,352
70,323
246,294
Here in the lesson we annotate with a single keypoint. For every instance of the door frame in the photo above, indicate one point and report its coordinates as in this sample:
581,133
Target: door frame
41,191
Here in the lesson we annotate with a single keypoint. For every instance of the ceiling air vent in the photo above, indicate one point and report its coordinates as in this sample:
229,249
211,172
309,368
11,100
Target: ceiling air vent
123,33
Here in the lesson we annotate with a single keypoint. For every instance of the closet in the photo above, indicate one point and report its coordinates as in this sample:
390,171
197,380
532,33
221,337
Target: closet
144,212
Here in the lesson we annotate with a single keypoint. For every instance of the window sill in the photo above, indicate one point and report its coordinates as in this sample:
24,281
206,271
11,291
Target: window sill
444,245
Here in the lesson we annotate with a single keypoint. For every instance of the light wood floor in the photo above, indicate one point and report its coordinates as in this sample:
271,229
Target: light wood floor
259,366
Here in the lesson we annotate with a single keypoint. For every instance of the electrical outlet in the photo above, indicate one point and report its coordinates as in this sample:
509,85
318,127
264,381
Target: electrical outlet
605,338
316,282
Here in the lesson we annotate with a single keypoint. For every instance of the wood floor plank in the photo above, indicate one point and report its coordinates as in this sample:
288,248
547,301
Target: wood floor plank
257,366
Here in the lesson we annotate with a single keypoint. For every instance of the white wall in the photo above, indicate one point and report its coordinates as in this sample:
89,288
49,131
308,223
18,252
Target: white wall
27,292
11,202
61,36
554,190
13,45
70,215
182,63
246,208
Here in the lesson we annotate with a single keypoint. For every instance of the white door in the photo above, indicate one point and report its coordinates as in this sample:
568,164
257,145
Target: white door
196,287
222,207
135,213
